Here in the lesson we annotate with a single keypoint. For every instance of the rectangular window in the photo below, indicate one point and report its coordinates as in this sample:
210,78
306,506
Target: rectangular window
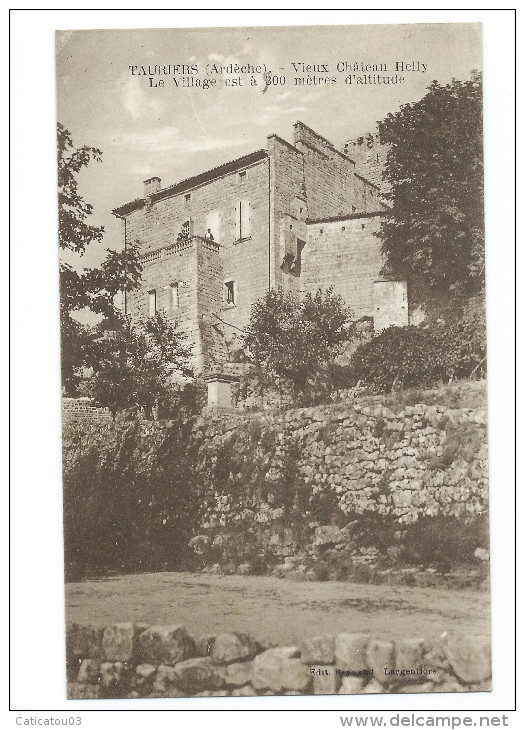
174,296
152,303
187,198
229,293
242,220
242,176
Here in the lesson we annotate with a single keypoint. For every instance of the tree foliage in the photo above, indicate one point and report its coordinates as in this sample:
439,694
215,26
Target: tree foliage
294,339
434,228
133,365
81,287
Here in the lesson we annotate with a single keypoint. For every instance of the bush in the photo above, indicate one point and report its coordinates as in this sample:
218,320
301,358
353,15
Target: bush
445,542
129,497
404,357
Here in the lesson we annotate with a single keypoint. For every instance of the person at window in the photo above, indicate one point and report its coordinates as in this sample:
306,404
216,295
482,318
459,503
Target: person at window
209,235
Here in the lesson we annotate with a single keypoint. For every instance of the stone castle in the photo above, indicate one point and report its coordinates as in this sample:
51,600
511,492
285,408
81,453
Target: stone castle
292,216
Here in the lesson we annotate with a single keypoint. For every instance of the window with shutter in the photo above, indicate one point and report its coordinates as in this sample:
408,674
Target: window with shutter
242,220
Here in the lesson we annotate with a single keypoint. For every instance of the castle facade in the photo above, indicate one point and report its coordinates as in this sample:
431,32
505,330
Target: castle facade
293,216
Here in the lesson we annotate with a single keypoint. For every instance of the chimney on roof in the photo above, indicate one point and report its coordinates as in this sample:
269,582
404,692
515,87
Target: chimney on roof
151,185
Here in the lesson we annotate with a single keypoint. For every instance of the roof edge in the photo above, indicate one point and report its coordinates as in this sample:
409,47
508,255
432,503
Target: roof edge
193,182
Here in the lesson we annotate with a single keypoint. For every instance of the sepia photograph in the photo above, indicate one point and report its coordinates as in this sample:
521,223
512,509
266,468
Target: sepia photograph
273,361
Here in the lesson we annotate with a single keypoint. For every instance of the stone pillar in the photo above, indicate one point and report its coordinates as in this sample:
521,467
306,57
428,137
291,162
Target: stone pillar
219,389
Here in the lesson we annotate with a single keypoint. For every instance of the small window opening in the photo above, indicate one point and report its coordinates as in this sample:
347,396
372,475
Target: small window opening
229,292
152,303
187,198
174,296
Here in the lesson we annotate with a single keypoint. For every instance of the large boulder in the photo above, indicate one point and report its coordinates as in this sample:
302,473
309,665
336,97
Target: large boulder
118,642
318,650
198,675
469,656
165,645
228,648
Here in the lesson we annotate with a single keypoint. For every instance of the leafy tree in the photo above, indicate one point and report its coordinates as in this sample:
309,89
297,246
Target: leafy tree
434,228
133,365
295,339
94,289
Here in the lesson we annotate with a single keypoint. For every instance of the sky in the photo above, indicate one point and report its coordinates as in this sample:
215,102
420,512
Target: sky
176,132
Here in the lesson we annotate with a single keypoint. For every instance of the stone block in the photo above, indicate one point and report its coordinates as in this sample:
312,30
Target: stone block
373,688
142,680
204,645
485,686
246,691
350,651
328,535
469,656
380,655
351,685
229,648
410,653
165,680
197,675
435,657
84,642
416,688
238,673
89,671
318,650
165,645
449,685
327,682
114,678
295,675
82,691
267,667
118,642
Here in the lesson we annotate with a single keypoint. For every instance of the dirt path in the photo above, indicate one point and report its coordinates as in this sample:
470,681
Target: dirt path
273,609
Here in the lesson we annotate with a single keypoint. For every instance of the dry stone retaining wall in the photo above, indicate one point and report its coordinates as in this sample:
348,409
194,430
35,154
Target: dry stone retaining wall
129,660
279,479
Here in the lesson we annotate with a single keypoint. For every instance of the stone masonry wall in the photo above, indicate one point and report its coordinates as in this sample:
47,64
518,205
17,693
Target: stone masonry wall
128,660
156,226
370,157
295,484
332,185
288,200
82,410
347,255
311,492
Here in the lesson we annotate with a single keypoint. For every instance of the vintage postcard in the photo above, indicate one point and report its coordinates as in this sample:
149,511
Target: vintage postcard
273,352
